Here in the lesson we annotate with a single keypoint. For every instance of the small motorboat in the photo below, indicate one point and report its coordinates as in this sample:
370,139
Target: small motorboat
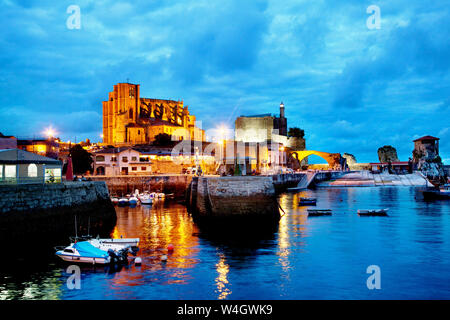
114,200
308,201
123,201
437,194
83,252
373,212
319,212
133,200
294,189
133,242
146,199
106,244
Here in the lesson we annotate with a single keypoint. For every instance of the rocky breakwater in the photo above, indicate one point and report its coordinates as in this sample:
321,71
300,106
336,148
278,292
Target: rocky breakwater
238,199
49,210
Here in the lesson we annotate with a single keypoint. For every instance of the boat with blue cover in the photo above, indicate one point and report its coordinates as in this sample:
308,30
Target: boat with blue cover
84,252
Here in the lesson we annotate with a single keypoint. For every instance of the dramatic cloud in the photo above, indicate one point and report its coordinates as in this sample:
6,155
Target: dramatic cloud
351,88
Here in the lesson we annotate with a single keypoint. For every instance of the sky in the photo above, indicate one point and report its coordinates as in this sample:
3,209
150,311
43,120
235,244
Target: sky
350,87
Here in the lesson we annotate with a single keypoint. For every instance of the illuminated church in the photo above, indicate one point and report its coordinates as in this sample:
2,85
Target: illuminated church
129,119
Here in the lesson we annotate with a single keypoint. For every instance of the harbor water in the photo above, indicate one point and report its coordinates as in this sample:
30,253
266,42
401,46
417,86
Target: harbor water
301,258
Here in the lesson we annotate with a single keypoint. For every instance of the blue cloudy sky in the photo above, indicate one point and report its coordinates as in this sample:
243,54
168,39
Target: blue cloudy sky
351,88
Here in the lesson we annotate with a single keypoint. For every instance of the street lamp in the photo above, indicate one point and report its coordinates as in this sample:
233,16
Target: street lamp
50,132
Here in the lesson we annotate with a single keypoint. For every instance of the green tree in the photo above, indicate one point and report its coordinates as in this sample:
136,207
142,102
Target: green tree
81,160
296,132
162,139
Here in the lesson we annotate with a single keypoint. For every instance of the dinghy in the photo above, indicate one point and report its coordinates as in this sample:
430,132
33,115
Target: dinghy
133,200
123,201
319,212
308,201
146,199
373,212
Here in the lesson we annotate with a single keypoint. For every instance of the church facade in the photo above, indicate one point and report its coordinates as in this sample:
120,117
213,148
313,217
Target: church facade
129,119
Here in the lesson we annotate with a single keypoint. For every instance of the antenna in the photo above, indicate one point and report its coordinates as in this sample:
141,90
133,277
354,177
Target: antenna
76,235
89,226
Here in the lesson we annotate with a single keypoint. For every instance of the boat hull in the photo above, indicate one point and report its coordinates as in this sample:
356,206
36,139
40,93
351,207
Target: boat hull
435,195
78,259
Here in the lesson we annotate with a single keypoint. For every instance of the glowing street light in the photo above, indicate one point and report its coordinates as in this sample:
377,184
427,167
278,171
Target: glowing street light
50,132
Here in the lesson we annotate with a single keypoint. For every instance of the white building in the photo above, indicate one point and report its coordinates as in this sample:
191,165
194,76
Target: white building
121,161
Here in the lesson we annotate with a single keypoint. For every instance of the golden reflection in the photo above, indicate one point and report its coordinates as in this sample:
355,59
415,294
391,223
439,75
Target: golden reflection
283,236
222,279
157,226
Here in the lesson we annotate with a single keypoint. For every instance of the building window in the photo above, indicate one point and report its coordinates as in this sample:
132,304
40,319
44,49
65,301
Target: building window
32,170
100,158
143,168
133,168
133,158
124,159
10,171
113,159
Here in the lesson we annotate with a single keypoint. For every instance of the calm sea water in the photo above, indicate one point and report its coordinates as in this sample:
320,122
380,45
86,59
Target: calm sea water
303,258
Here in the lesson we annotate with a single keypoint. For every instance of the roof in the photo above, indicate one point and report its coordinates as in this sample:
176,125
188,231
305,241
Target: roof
17,156
426,138
88,250
112,150
258,115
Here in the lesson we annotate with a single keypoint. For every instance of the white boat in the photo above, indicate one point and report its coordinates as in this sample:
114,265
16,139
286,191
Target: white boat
83,252
373,212
123,242
123,201
146,199
114,200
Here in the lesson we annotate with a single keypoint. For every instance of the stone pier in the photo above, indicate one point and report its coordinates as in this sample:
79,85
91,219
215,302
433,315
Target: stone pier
236,198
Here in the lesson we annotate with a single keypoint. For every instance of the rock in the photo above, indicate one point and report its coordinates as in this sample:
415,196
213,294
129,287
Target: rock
351,160
387,153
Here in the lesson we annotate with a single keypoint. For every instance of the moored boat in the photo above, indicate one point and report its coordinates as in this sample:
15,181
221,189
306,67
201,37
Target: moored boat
319,212
133,200
307,201
442,193
373,212
146,199
123,201
83,252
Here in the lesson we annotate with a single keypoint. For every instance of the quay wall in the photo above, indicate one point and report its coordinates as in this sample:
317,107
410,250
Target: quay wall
42,209
122,185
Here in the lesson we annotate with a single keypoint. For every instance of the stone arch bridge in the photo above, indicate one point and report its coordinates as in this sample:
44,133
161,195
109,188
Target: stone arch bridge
333,159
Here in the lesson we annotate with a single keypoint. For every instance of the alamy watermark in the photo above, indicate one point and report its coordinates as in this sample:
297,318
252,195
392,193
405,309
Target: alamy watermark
374,20
374,280
74,20
74,281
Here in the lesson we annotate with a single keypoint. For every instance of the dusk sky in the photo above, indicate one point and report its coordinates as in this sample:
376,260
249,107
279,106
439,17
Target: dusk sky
351,88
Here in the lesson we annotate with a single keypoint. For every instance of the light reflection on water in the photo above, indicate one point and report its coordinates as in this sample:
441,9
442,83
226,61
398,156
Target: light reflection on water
303,258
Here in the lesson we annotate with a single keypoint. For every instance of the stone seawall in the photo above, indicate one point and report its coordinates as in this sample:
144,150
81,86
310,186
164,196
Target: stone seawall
122,185
42,209
239,198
